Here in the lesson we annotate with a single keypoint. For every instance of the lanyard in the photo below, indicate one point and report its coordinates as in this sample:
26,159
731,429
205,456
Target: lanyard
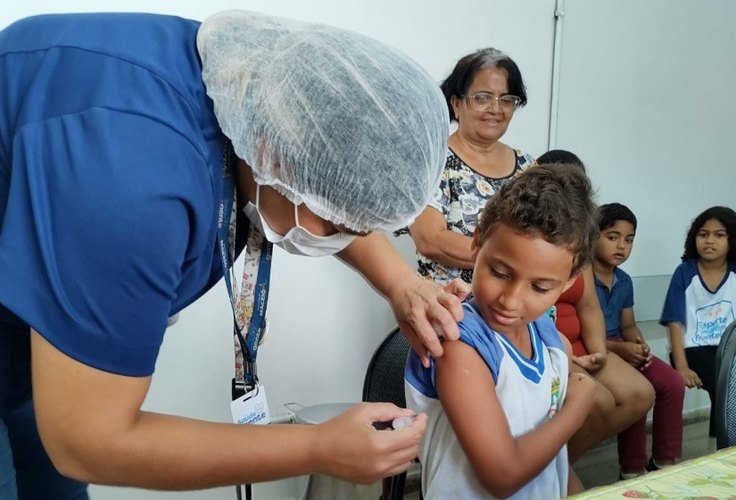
249,303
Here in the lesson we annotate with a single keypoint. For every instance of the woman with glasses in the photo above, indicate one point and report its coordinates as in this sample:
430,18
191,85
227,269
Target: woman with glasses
482,93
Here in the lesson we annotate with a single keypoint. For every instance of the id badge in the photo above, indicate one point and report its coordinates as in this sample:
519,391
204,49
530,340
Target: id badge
251,408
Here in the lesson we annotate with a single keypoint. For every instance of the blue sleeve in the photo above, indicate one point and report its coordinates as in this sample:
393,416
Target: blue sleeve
628,292
97,233
473,332
674,310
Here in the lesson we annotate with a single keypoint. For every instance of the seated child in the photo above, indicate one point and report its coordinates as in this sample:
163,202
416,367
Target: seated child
622,396
701,299
616,296
501,402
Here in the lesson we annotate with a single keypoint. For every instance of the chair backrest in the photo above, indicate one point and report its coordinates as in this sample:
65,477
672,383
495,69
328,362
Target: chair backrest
726,338
384,378
384,383
725,404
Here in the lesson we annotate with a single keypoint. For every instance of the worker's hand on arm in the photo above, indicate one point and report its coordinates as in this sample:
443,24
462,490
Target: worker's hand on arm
424,310
427,312
92,426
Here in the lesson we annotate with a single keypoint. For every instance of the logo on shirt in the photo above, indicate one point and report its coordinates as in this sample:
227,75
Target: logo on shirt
711,321
555,392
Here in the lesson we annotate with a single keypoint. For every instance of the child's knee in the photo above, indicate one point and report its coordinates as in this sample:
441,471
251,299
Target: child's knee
674,388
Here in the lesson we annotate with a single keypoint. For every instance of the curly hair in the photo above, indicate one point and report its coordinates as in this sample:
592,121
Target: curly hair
554,202
725,216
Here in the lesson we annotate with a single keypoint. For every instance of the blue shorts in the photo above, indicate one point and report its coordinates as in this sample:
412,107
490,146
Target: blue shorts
8,491
26,472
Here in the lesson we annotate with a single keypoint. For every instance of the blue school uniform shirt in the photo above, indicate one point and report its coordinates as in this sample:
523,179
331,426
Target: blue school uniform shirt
529,390
704,314
614,300
110,178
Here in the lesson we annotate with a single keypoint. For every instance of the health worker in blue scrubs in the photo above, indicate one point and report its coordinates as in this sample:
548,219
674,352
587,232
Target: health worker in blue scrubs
122,139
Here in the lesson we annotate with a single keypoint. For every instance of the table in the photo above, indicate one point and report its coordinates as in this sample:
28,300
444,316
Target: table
711,476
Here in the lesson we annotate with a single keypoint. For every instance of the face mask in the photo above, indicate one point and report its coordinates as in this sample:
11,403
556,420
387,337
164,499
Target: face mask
297,240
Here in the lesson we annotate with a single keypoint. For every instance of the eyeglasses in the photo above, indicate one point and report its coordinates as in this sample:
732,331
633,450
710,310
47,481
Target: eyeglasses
483,101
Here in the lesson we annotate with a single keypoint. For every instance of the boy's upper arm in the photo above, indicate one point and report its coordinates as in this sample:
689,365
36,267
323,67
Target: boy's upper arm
627,318
467,391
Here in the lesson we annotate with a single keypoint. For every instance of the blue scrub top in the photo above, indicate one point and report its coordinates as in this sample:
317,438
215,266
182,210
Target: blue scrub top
110,178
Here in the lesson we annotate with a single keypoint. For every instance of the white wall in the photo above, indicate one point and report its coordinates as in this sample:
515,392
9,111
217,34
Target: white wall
647,100
325,321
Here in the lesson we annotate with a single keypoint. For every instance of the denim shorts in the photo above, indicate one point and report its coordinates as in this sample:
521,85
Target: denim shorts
8,490
23,458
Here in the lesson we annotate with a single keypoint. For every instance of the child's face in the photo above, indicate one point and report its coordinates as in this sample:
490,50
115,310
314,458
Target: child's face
711,241
518,277
615,243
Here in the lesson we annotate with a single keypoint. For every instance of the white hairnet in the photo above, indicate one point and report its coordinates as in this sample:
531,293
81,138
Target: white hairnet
352,128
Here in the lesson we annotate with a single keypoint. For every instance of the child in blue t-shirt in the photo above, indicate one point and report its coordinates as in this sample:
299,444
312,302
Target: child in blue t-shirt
500,403
616,295
701,300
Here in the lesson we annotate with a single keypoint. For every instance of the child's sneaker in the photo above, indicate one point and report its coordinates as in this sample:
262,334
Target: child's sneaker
652,466
630,475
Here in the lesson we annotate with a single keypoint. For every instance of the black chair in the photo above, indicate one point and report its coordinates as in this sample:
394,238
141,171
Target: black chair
725,404
384,382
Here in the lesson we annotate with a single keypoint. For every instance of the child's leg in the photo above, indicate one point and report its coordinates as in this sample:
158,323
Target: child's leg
632,447
574,485
667,417
702,360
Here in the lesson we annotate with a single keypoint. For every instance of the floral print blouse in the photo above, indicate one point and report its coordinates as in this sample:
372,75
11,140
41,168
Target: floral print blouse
460,197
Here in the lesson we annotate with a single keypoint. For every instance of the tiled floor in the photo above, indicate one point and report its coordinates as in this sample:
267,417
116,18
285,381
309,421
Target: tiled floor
600,465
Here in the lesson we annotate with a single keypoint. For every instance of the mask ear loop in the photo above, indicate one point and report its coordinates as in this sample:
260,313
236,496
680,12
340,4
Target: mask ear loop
296,214
258,205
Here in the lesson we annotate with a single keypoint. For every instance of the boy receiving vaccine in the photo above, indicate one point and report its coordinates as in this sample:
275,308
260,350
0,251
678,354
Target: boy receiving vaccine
500,404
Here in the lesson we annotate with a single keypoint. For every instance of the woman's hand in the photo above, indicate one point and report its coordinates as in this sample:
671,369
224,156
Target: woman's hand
590,362
458,288
349,447
427,312
424,311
